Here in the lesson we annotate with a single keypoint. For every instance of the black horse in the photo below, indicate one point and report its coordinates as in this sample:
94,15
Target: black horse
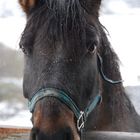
69,67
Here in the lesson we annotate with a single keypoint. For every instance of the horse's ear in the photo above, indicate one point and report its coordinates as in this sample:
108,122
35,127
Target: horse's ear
27,5
92,6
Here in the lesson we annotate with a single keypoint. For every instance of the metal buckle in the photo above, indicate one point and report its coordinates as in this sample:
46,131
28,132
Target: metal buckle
81,121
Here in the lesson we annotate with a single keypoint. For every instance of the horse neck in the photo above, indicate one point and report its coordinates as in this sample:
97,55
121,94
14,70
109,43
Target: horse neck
116,110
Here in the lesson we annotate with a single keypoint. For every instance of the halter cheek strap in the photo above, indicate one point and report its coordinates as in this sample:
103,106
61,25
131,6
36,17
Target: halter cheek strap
104,77
64,98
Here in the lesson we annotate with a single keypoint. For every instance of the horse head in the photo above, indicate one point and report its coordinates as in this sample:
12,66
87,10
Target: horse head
61,42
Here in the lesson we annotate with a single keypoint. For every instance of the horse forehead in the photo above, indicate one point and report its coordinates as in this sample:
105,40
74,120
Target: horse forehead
59,51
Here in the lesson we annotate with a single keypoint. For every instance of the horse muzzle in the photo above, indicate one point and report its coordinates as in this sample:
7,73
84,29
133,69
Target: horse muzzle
62,134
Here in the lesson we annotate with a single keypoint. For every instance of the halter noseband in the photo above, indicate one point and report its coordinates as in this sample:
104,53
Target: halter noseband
67,100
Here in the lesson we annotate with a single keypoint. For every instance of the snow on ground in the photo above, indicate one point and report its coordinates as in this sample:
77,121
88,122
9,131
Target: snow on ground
14,114
134,95
9,80
21,119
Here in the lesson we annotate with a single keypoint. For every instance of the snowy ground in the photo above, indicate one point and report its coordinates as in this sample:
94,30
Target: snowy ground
16,115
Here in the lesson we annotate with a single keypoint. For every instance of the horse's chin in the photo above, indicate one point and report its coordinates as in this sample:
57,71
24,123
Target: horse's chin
62,134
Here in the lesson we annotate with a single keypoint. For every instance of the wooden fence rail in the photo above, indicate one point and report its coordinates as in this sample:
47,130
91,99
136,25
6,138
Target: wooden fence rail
17,133
108,135
14,133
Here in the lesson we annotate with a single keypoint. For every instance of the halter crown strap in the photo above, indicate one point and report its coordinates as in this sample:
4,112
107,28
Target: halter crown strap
64,98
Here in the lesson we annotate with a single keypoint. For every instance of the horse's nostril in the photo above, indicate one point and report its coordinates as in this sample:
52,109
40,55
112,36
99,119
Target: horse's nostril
68,134
33,134
62,134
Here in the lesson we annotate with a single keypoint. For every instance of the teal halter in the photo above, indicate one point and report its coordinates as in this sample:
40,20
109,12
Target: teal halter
64,98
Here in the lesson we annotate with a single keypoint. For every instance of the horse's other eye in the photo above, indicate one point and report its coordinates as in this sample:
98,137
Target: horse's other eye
25,51
25,45
22,48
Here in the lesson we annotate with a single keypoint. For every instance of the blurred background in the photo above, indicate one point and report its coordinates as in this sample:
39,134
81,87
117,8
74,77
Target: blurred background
120,17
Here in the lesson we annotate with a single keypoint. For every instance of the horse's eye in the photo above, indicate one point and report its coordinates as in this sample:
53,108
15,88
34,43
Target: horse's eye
92,48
